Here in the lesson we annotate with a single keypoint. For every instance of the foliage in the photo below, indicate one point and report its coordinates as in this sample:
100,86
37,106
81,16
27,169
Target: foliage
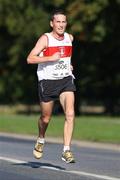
95,26
20,26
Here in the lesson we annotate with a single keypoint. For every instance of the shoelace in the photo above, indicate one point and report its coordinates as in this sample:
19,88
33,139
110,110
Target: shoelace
68,154
39,146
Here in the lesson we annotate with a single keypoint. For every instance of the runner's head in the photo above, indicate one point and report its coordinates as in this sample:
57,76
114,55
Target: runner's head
58,22
57,12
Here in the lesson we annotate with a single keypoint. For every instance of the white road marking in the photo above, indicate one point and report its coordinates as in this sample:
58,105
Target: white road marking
94,175
12,160
57,169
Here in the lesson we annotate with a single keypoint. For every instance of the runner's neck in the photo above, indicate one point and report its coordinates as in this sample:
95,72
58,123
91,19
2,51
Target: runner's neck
57,36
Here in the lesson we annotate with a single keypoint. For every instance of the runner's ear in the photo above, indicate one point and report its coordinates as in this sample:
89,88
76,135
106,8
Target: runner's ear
51,23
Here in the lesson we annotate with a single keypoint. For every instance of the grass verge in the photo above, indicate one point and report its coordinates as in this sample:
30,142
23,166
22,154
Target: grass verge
92,128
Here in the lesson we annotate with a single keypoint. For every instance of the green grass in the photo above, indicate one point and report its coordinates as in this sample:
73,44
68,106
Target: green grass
92,128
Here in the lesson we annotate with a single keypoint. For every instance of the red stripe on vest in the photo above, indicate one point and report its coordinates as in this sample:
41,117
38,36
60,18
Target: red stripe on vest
65,51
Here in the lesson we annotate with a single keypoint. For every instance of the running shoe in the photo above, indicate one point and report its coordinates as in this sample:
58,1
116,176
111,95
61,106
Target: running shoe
38,150
68,157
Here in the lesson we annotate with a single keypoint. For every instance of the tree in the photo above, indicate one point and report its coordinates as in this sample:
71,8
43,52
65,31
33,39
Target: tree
20,26
95,26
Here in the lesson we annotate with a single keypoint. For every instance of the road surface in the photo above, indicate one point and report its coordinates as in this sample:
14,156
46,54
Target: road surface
18,163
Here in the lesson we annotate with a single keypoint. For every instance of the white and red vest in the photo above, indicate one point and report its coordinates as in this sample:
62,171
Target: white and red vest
58,69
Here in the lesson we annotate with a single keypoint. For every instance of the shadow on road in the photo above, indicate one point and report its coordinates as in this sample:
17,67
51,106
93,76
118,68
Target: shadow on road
40,165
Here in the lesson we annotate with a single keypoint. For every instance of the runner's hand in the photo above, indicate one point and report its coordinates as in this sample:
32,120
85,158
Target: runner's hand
56,56
71,67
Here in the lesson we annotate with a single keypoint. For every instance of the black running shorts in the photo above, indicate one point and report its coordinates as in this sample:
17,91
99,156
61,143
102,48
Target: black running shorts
49,90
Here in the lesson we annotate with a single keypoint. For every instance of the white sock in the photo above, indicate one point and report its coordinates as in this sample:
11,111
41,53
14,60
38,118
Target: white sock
66,148
41,140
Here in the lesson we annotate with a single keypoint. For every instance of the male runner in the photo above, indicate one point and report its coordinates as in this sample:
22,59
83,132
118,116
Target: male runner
52,53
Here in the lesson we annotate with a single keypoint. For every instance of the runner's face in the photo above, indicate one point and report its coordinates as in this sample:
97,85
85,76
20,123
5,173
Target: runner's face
59,24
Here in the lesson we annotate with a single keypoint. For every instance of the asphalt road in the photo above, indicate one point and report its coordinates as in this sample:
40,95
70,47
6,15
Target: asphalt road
18,163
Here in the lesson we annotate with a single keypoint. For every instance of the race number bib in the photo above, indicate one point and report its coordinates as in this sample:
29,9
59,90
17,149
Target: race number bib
61,69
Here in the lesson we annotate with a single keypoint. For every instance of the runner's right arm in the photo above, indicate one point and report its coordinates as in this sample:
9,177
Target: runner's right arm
34,58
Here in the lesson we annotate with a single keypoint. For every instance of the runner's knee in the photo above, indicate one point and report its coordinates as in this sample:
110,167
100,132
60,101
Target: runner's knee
69,116
45,118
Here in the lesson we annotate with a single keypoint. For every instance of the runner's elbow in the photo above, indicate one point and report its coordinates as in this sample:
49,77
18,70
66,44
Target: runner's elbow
28,60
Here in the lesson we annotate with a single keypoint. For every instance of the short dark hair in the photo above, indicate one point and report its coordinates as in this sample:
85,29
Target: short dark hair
56,12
